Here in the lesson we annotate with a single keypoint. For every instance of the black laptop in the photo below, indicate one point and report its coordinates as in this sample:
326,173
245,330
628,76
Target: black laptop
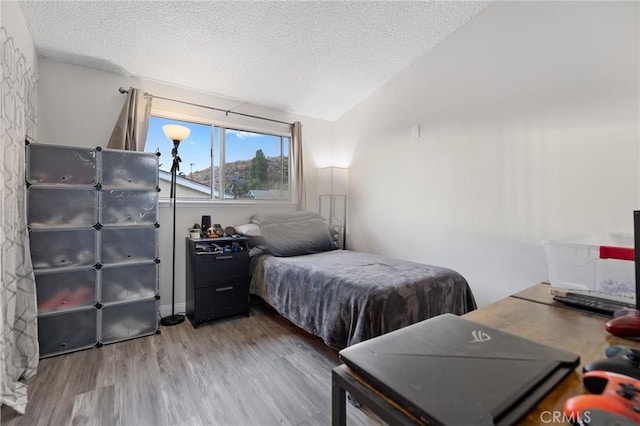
452,371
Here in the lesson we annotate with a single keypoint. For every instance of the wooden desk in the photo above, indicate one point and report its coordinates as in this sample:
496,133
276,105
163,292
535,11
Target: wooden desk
541,320
537,293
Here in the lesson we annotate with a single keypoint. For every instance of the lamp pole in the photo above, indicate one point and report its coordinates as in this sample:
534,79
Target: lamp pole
176,134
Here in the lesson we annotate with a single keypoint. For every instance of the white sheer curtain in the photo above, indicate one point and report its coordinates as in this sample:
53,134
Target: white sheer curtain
19,350
296,157
130,131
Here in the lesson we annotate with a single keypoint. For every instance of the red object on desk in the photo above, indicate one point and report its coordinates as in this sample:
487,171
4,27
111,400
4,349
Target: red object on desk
620,253
611,392
625,326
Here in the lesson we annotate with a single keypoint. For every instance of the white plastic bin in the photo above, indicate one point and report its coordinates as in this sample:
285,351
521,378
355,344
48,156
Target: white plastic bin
595,263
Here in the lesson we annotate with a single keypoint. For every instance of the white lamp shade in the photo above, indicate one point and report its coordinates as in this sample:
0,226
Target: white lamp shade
332,180
176,132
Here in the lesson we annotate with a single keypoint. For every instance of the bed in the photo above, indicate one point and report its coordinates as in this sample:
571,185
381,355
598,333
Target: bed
343,296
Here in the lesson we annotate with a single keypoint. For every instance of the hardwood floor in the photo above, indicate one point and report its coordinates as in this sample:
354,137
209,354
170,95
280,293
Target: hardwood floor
257,370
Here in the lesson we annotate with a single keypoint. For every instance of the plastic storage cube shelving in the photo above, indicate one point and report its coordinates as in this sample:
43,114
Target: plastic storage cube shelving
63,248
92,216
66,289
595,263
128,207
54,207
61,165
121,169
126,320
67,331
120,283
126,244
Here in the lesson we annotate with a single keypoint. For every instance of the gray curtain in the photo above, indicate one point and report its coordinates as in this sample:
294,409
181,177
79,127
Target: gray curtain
130,131
19,349
296,157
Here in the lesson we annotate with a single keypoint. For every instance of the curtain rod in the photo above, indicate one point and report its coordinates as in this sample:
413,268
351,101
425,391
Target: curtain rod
226,111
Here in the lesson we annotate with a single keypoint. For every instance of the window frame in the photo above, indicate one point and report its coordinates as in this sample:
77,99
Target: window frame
224,125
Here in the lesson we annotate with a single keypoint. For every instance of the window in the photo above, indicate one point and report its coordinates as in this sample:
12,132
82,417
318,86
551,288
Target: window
222,163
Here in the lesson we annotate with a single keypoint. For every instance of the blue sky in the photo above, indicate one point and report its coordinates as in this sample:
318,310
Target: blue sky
194,149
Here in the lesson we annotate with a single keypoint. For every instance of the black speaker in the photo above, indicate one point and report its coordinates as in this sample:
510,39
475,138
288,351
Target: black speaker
205,224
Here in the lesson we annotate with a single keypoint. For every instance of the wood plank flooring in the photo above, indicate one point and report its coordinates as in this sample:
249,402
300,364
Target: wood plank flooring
257,370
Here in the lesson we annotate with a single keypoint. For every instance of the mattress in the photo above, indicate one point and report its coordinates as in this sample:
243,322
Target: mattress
346,297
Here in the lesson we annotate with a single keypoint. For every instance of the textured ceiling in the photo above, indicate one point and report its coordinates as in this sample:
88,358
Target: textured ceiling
317,59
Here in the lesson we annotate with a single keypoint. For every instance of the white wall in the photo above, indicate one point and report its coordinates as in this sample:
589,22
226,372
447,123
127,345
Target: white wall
79,106
12,19
529,131
529,117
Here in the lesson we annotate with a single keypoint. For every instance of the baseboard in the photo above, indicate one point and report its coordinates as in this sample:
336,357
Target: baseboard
165,310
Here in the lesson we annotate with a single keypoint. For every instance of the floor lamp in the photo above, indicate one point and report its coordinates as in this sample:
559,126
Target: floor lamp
177,134
332,190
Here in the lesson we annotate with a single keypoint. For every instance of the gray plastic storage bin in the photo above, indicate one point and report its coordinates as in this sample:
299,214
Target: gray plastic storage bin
64,289
128,244
60,165
128,207
64,332
62,248
49,207
121,283
128,320
129,169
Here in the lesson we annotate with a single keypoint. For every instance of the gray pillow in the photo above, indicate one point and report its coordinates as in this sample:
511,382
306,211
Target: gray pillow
295,233
284,217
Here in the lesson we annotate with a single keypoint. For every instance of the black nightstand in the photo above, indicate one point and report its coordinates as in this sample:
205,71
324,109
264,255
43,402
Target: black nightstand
217,278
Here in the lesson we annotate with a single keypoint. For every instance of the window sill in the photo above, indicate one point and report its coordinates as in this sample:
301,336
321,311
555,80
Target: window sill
163,203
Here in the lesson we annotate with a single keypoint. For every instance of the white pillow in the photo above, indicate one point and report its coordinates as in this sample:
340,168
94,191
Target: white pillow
250,229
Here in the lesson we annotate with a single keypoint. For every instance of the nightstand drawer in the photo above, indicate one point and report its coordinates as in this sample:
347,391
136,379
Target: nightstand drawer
220,266
215,302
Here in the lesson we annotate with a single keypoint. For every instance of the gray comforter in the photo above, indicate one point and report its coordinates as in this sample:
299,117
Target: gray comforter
346,297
